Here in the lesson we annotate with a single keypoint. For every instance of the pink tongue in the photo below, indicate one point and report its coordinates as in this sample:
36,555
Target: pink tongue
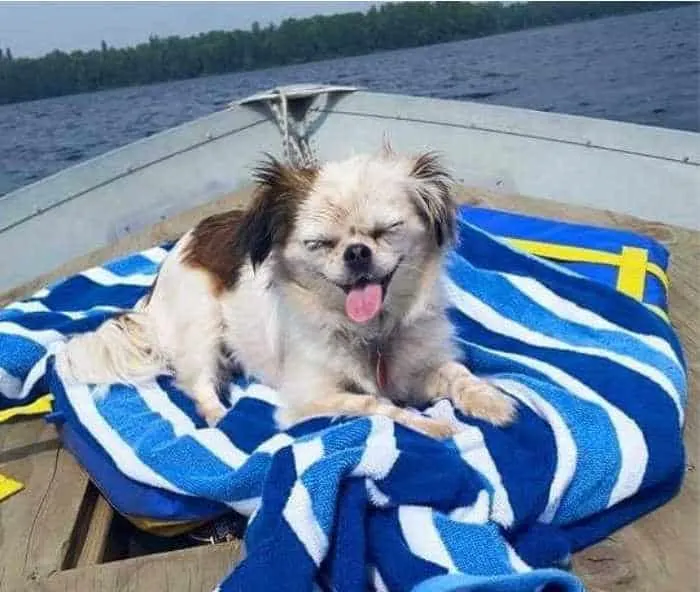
363,304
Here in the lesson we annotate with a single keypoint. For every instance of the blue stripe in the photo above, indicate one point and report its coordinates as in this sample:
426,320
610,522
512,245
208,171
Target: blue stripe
590,426
477,549
128,496
154,442
530,442
80,293
324,479
614,383
483,252
19,356
663,438
576,235
132,265
542,580
499,294
400,569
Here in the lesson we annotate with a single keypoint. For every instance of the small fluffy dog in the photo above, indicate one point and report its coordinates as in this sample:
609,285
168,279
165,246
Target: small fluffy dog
326,288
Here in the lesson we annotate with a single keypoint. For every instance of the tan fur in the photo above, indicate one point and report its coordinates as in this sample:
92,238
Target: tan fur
365,405
280,282
470,394
121,350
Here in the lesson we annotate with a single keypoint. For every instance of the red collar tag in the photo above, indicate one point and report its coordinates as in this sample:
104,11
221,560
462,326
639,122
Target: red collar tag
381,371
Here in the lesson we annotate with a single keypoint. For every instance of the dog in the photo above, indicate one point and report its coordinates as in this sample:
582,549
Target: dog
327,287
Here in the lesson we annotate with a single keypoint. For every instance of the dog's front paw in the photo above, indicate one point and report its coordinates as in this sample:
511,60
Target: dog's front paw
471,395
212,412
435,428
480,399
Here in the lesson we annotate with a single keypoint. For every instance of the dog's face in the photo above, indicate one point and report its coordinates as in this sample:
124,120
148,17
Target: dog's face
362,236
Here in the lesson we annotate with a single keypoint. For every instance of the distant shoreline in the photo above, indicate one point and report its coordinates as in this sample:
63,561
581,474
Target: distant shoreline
295,41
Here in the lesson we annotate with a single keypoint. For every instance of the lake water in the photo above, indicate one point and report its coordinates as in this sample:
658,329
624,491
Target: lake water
642,68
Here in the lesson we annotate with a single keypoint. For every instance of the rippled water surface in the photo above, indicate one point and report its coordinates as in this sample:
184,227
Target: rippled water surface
642,68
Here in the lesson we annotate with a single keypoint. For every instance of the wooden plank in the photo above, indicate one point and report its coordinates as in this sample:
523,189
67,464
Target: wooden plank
198,569
56,518
36,524
661,551
95,537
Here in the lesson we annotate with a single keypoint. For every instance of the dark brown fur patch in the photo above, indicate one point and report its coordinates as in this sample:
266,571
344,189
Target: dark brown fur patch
273,211
216,247
434,200
220,244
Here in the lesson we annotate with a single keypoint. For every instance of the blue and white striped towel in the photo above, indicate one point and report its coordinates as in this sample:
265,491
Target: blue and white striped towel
601,383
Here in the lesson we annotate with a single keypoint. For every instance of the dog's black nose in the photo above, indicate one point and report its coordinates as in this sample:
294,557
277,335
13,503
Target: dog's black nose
358,257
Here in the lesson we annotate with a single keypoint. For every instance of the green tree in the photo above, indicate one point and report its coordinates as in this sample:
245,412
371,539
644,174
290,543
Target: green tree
389,26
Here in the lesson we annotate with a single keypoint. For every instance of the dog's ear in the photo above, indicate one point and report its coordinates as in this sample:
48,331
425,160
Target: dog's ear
433,196
269,219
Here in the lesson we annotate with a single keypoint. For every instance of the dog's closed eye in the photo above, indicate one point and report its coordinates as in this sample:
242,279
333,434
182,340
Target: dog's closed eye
320,243
380,231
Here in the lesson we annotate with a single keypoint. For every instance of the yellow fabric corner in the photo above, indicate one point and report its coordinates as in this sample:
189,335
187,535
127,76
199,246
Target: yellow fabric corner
9,487
632,273
165,528
41,406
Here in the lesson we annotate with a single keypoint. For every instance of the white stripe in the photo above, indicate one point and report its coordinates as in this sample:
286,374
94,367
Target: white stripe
256,391
43,337
35,374
299,514
275,443
106,278
376,496
634,454
213,440
262,393
156,254
380,452
568,310
82,401
246,507
306,453
494,321
43,293
35,306
377,581
472,448
423,538
10,386
28,306
567,453
476,513
515,560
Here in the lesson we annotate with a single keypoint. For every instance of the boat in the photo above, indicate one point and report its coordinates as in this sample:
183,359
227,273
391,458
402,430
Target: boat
647,172
571,168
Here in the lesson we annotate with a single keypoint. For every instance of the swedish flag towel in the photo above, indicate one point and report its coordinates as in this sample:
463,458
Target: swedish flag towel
356,503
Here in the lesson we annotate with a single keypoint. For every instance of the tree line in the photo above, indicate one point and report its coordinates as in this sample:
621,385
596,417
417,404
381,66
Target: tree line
388,26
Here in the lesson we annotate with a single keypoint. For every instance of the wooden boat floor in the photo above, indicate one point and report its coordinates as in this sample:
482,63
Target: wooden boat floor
54,533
